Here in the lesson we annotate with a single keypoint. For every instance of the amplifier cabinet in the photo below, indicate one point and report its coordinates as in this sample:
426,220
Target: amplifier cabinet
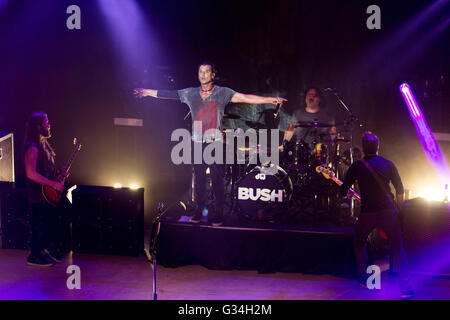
7,157
15,217
108,220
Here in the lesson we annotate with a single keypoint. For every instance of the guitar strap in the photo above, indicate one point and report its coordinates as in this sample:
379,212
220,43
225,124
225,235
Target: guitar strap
380,183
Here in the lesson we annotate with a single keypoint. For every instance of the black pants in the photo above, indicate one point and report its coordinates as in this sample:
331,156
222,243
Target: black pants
50,229
217,172
388,221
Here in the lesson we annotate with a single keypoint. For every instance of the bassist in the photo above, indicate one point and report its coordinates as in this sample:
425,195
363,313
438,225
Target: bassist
378,208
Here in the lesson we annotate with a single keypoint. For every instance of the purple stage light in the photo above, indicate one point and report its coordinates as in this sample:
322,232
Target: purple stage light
408,33
429,143
2,4
411,102
132,34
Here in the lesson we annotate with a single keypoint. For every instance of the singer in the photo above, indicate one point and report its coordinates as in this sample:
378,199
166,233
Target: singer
207,104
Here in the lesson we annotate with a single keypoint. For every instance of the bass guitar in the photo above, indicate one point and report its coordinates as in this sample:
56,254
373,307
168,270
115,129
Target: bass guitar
329,174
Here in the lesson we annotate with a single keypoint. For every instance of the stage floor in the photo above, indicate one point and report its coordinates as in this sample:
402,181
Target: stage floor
130,278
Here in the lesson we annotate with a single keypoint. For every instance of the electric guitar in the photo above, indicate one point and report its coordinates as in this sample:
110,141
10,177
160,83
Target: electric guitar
329,174
53,196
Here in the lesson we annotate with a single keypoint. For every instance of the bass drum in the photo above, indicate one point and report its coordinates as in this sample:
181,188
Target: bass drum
264,192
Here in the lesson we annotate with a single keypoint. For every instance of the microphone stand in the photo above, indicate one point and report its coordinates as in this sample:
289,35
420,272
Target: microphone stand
192,187
353,118
153,244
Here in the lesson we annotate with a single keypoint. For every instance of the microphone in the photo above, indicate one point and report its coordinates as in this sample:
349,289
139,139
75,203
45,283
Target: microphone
329,90
277,109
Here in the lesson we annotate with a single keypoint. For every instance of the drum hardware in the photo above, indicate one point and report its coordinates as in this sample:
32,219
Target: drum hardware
296,155
312,125
349,124
257,199
337,140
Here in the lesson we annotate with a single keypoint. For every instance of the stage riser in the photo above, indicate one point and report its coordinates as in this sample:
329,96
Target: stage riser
263,250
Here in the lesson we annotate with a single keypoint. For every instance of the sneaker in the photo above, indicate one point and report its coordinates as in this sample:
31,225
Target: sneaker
362,280
40,261
55,255
407,294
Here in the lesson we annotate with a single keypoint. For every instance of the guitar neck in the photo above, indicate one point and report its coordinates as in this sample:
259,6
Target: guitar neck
338,182
353,193
329,174
66,168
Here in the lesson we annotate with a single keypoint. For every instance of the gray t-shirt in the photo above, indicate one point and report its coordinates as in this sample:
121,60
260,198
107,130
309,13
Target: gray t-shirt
311,134
209,111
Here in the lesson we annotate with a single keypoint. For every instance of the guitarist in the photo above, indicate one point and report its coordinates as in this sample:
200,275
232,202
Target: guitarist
378,208
39,168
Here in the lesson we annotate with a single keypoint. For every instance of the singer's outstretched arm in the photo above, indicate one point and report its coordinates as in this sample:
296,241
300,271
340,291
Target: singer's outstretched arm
237,97
141,92
250,98
161,94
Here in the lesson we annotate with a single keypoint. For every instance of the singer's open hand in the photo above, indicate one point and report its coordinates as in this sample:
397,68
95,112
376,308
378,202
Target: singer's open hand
276,100
139,92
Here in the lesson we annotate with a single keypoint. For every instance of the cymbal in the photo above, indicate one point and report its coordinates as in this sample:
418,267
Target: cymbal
231,116
252,150
337,140
317,125
313,125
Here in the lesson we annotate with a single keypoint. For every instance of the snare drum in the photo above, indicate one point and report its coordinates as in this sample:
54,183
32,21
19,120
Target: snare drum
262,196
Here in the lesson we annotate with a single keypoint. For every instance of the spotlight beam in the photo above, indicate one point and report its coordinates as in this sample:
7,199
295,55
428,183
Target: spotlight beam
431,147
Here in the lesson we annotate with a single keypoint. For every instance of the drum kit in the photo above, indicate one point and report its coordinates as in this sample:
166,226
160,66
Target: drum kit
294,187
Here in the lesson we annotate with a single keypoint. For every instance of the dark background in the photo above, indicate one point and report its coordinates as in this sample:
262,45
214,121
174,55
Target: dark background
84,78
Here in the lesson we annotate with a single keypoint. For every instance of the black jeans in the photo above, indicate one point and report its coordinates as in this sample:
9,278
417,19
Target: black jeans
50,229
387,220
217,172
41,227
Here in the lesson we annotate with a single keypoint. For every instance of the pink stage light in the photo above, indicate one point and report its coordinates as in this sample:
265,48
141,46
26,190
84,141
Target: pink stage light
410,101
429,143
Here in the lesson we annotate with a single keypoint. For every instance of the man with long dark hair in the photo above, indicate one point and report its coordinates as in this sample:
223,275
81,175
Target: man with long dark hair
207,105
39,168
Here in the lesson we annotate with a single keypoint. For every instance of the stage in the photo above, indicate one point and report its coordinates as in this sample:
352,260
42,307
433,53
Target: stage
267,249
308,244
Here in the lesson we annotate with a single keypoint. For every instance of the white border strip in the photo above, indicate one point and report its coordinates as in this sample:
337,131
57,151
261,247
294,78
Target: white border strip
441,136
128,122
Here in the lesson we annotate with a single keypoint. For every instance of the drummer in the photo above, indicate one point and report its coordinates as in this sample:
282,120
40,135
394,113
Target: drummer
307,117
